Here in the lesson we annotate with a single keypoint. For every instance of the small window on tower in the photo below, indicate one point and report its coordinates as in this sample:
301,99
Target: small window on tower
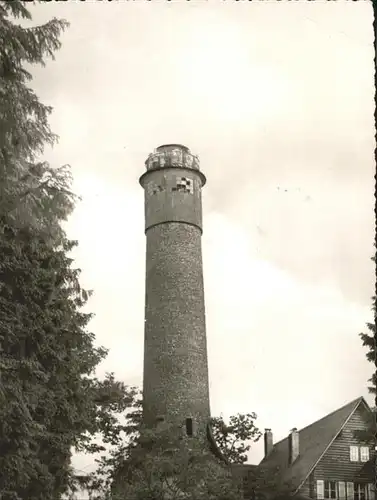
184,185
189,427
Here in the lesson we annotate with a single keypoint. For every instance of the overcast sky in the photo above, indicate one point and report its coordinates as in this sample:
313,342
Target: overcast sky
277,100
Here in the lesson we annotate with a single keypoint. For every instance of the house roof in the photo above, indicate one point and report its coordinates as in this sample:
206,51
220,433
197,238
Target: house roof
314,440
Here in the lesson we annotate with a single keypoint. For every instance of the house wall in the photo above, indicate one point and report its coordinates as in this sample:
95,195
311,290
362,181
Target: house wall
335,465
306,488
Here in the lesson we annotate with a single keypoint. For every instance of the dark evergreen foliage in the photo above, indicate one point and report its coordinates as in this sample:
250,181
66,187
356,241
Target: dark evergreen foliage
32,194
50,400
369,341
46,359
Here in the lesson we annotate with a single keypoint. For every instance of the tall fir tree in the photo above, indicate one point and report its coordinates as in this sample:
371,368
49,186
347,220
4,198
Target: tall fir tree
369,341
50,400
32,194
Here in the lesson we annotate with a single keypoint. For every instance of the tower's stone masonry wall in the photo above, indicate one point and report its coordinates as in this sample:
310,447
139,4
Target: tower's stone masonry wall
172,194
175,356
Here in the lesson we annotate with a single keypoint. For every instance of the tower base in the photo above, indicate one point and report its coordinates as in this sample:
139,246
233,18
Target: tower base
177,463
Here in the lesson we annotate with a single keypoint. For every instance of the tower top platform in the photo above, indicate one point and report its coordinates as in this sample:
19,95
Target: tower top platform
172,155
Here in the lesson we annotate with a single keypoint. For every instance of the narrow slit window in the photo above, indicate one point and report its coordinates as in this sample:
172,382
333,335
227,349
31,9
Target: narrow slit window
189,427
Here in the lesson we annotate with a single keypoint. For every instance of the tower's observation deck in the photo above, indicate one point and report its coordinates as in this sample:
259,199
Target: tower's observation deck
172,186
175,385
172,155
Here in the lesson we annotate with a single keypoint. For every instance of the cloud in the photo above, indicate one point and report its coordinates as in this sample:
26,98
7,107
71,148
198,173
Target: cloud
272,338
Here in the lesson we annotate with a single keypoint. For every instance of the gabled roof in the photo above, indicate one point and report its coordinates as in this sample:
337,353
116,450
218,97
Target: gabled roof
314,441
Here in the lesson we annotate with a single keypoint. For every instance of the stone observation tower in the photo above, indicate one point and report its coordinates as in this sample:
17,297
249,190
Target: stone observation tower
175,386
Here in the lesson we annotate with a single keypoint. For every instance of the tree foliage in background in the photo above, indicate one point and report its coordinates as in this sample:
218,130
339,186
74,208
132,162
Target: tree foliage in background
50,400
232,438
110,478
369,341
47,357
163,464
32,194
120,433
